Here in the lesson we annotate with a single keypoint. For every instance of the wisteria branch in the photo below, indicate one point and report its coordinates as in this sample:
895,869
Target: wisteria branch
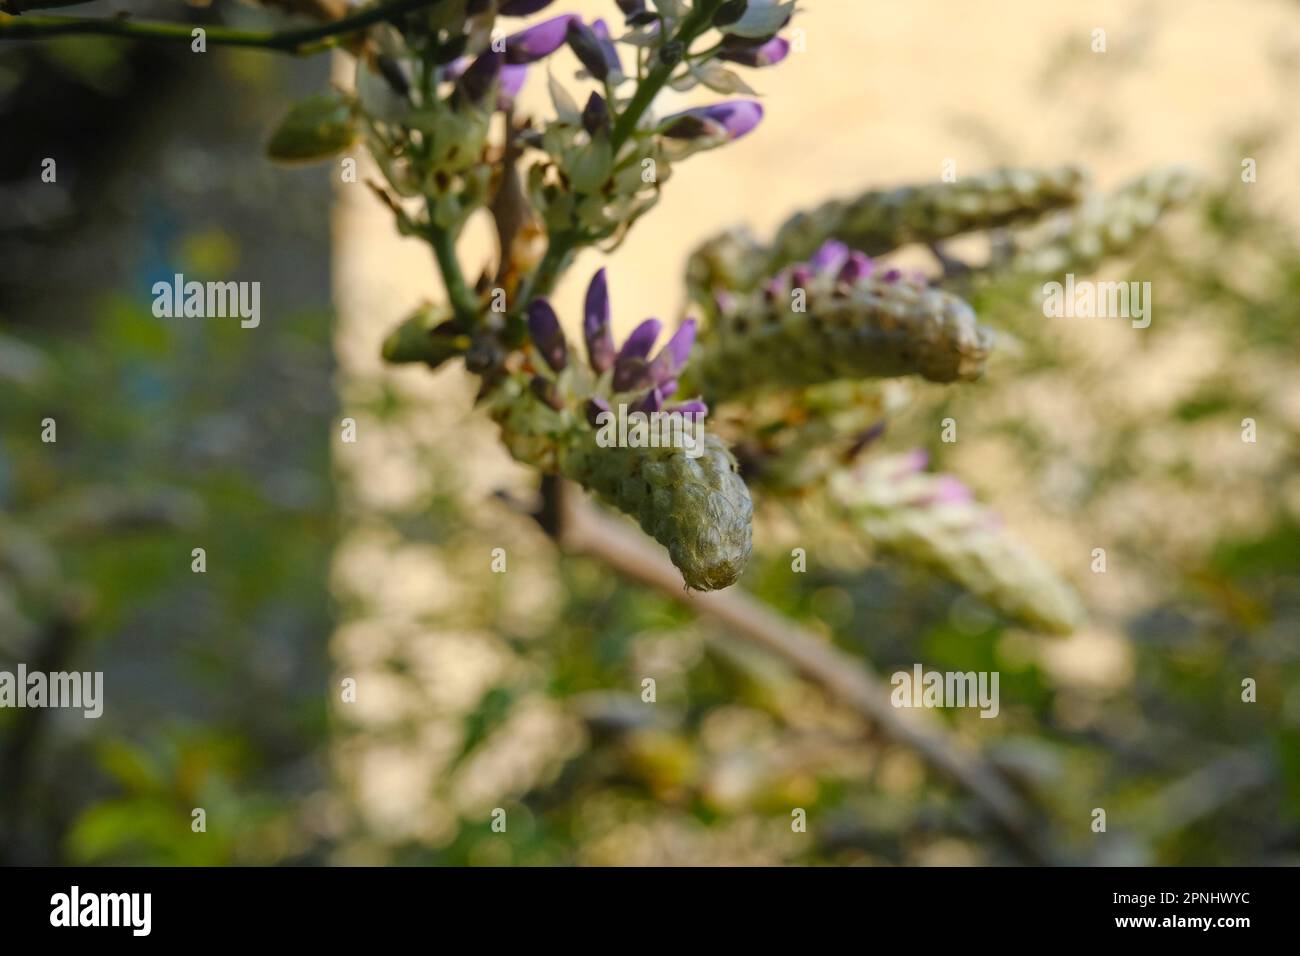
299,42
580,528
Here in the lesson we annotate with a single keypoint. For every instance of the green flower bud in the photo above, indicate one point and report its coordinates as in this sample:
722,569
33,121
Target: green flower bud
882,220
315,129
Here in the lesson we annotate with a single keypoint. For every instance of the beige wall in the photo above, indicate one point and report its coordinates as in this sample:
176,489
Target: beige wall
887,90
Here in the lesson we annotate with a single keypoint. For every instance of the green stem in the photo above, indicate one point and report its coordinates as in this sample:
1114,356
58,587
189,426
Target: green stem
463,301
541,282
299,42
695,23
563,244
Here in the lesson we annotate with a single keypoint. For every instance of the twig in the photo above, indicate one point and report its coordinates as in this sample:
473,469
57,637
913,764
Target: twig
1202,793
300,42
585,530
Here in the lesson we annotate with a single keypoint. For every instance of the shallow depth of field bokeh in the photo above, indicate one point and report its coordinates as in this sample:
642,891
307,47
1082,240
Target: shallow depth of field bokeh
522,690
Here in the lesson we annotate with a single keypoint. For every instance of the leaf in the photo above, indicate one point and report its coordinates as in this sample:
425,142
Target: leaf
315,129
566,107
721,80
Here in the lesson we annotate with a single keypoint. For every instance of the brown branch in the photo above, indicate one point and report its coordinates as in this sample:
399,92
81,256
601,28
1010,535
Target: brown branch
585,530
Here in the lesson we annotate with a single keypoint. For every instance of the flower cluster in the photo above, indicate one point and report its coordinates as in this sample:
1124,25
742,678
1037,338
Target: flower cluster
1103,225
933,521
881,220
838,316
696,505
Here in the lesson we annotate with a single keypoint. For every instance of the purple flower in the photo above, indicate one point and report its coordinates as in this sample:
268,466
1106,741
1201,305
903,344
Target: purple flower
693,406
595,115
950,490
672,357
858,266
595,324
630,366
522,8
721,121
607,46
528,46
748,52
912,462
586,46
831,257
547,335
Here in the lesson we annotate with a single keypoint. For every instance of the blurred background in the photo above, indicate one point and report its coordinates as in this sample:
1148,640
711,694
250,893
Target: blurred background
329,562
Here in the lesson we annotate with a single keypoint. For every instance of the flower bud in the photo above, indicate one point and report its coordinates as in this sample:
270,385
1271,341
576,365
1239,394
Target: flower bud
587,48
595,324
721,122
595,115
547,336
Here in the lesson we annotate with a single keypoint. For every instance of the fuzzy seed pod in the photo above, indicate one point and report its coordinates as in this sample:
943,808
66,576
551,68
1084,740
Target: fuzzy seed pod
932,521
1102,226
881,220
852,326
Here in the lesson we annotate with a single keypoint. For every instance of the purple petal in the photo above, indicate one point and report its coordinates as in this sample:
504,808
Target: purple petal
892,275
913,461
630,366
950,490
522,8
538,41
595,324
512,81
747,53
721,121
800,277
672,357
692,407
546,333
831,257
